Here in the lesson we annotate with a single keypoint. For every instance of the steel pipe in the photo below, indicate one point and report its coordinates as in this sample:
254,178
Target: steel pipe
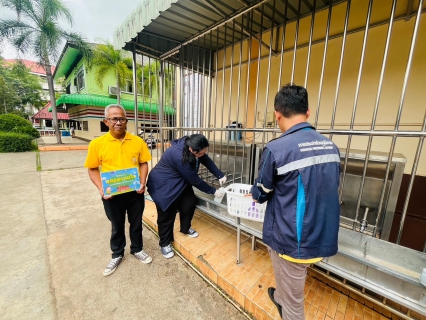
258,73
250,42
143,92
324,58
280,72
268,78
339,74
237,116
358,84
209,112
311,33
231,74
410,134
223,98
216,82
410,184
296,38
135,89
161,104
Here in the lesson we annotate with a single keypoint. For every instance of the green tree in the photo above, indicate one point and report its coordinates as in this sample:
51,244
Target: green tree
8,97
107,60
27,85
149,81
37,32
16,5
18,88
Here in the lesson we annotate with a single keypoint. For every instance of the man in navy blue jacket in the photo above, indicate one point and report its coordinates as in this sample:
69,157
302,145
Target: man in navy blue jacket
299,177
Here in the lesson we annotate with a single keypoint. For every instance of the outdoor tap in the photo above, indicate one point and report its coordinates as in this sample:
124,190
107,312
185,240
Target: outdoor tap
364,225
364,222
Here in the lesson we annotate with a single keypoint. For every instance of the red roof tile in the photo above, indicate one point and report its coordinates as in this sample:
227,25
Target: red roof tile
45,114
32,65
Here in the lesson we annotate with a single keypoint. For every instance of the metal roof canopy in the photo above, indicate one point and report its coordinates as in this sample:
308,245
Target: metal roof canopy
161,28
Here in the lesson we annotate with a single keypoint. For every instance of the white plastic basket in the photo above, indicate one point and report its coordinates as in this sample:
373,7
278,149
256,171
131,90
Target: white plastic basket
241,206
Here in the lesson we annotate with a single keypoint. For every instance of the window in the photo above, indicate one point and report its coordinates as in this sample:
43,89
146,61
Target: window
104,127
85,126
129,86
80,79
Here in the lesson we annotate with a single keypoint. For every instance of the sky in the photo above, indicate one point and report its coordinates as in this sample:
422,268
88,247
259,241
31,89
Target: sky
94,19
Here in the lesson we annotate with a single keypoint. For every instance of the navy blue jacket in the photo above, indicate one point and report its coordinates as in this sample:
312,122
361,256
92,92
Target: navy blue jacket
170,176
299,177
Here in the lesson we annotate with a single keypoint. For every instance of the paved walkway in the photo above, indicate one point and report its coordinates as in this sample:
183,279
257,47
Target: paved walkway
54,239
54,242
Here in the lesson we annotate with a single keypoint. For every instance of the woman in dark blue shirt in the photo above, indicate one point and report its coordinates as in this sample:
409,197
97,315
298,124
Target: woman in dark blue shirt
170,185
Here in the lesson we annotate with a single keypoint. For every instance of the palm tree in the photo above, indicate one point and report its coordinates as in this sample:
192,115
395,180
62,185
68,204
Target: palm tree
108,60
37,32
151,81
16,5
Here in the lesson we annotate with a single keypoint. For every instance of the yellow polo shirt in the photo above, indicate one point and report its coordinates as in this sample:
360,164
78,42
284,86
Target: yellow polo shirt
110,153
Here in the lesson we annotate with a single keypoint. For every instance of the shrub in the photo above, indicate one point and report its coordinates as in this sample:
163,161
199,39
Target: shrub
15,142
32,132
13,123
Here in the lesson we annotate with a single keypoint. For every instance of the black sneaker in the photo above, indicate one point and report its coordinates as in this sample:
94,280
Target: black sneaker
271,292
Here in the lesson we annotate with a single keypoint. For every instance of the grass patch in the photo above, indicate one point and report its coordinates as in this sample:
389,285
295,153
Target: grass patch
38,160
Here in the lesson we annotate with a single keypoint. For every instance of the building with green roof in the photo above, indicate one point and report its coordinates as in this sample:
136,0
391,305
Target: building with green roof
85,101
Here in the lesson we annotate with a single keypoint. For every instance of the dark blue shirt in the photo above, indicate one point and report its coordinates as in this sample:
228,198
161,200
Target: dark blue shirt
170,176
299,177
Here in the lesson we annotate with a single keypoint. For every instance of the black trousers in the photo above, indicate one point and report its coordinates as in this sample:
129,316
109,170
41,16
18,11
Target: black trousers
115,209
185,204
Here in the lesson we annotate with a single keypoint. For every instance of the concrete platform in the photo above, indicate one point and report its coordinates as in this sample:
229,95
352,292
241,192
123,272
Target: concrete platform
213,252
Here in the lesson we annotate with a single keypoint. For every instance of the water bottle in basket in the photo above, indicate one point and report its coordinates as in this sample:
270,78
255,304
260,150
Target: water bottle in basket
253,211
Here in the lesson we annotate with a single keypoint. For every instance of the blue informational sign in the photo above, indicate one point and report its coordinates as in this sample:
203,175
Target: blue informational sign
120,181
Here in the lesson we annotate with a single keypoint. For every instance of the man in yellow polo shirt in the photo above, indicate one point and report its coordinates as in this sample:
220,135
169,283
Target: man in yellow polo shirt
118,150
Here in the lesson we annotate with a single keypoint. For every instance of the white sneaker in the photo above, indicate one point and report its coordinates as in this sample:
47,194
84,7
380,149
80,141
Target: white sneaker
192,233
142,256
167,251
112,265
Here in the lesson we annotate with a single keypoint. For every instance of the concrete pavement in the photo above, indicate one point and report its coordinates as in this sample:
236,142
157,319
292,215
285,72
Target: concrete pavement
54,239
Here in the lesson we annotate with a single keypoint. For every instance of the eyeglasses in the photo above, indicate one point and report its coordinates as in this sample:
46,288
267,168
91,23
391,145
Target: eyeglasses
115,120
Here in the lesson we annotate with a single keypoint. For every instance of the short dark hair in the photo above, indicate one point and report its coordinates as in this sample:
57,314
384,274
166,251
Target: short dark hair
291,100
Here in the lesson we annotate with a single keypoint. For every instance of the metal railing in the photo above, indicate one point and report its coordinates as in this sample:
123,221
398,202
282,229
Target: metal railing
227,74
